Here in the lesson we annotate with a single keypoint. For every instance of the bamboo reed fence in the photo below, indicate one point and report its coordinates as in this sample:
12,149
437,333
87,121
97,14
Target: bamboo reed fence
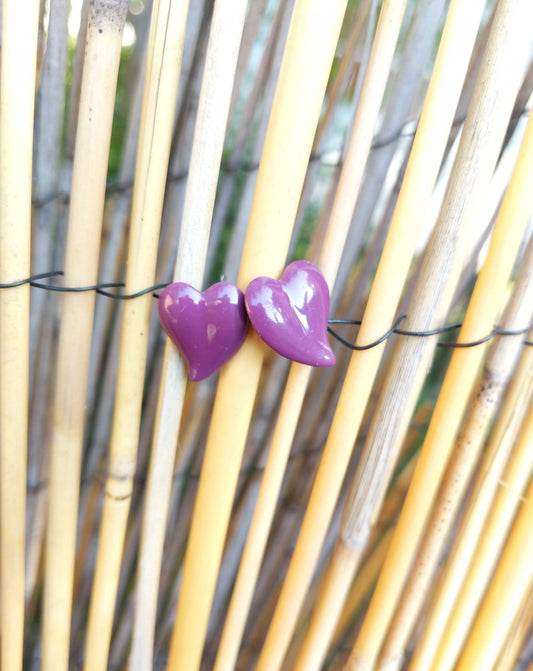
373,515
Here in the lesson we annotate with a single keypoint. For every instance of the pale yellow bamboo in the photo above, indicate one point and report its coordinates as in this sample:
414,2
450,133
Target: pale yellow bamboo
510,227
215,95
350,180
301,84
414,196
482,136
155,135
103,48
490,475
509,585
17,93
345,65
507,501
372,564
518,636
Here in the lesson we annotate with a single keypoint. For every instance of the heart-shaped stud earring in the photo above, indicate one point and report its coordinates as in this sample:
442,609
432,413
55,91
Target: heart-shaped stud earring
208,328
291,315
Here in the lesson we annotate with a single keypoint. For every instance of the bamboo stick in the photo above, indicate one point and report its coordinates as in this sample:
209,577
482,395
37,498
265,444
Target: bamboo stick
351,64
499,520
238,233
421,173
371,565
17,92
210,127
487,482
479,147
510,227
408,85
301,84
157,121
250,33
351,176
104,39
48,122
509,585
256,111
77,75
518,636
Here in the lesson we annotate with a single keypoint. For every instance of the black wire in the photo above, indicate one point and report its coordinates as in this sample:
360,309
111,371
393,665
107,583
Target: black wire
102,289
425,334
98,288
361,348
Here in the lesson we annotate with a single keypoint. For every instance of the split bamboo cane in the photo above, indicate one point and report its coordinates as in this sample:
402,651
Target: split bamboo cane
157,121
17,93
103,48
484,130
509,585
414,196
215,95
362,133
305,68
507,236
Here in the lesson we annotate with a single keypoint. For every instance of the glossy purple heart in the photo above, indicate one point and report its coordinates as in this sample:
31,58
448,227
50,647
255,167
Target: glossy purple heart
291,315
208,328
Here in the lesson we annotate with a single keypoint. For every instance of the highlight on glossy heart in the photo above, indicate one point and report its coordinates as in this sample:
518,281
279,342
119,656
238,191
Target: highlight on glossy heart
208,328
291,314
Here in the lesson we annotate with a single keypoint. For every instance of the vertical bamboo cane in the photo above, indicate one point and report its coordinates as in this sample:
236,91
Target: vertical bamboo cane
509,230
17,92
518,637
350,179
489,548
494,95
420,177
487,483
47,131
310,47
103,48
157,121
221,58
509,586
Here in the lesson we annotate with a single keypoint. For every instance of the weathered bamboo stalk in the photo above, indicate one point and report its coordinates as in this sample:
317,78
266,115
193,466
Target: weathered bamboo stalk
420,177
513,219
499,520
481,140
489,477
17,93
103,48
511,582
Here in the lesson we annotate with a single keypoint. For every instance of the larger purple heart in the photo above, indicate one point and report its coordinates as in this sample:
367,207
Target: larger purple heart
291,315
208,328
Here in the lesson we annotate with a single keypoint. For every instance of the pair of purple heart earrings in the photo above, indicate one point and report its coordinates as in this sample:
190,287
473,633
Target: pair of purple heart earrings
289,315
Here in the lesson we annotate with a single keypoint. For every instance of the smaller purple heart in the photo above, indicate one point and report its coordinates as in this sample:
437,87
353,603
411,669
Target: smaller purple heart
291,315
208,328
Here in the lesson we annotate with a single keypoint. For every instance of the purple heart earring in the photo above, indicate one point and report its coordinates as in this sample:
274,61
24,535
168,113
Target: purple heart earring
208,328
291,315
